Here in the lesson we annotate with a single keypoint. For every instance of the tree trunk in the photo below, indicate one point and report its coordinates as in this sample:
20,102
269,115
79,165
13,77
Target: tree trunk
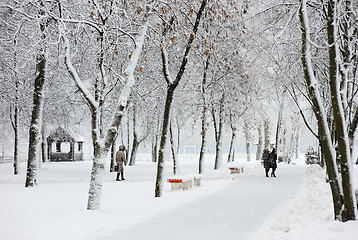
338,116
36,117
43,145
134,151
352,129
166,117
98,166
279,125
231,154
128,131
135,143
203,117
156,140
323,128
203,139
178,137
173,150
267,132
155,148
113,156
35,127
297,146
218,133
15,121
248,140
16,136
259,144
15,126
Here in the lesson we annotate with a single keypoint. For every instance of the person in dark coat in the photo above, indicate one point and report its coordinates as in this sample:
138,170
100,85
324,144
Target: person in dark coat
272,162
265,158
121,159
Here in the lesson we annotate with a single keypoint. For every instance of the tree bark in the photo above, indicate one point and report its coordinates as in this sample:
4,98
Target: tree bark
231,154
166,117
113,156
279,124
36,116
15,121
338,115
135,143
128,132
218,133
259,144
16,136
178,137
297,145
267,132
156,140
155,148
248,140
203,139
173,150
134,151
323,128
352,129
43,145
203,117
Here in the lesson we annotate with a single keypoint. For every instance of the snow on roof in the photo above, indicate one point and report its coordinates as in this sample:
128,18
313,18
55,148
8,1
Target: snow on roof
63,135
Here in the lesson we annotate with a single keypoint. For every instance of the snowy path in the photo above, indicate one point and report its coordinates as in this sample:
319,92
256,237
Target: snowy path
244,206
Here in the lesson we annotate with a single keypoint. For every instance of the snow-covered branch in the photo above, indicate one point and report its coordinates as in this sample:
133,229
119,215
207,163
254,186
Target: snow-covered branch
129,81
70,68
165,63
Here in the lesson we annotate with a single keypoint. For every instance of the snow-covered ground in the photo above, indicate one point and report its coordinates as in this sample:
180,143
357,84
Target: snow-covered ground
56,208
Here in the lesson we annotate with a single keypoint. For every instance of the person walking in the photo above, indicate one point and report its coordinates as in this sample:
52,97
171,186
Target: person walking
272,162
121,159
265,158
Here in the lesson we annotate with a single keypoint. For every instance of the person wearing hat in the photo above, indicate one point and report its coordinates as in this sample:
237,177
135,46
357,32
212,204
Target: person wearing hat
121,159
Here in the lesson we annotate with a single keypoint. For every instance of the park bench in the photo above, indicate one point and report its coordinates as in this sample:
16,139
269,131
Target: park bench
197,181
236,170
184,182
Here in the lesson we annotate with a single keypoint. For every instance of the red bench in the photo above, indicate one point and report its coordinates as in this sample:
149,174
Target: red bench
184,182
236,170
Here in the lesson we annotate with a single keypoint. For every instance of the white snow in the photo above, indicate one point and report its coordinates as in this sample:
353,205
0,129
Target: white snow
296,205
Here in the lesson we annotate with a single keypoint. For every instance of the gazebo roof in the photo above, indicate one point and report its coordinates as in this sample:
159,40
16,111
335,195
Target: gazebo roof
62,136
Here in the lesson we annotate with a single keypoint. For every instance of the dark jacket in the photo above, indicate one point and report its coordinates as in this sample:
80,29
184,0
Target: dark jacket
272,162
265,157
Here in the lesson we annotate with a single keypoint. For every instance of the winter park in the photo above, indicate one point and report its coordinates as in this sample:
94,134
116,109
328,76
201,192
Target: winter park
179,119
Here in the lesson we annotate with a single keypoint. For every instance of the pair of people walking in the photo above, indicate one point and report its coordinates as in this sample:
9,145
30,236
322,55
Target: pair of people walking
120,160
269,159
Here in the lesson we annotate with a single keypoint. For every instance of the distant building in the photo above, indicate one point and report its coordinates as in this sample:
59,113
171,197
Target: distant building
64,146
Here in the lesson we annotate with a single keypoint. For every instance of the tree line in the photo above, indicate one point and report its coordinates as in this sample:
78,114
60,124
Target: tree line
155,65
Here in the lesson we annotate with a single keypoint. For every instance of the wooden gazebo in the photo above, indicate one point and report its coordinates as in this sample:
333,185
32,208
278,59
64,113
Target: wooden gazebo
63,146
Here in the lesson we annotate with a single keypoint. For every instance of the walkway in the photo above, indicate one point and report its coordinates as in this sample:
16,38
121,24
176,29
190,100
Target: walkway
234,212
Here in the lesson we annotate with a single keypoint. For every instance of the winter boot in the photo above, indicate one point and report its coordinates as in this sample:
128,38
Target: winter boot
123,176
117,179
267,170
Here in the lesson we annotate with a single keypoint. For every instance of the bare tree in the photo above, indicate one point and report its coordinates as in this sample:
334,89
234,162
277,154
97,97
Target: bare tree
35,132
171,86
103,139
341,187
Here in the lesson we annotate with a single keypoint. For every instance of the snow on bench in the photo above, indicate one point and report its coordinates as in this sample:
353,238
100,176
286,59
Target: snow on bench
184,182
236,170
